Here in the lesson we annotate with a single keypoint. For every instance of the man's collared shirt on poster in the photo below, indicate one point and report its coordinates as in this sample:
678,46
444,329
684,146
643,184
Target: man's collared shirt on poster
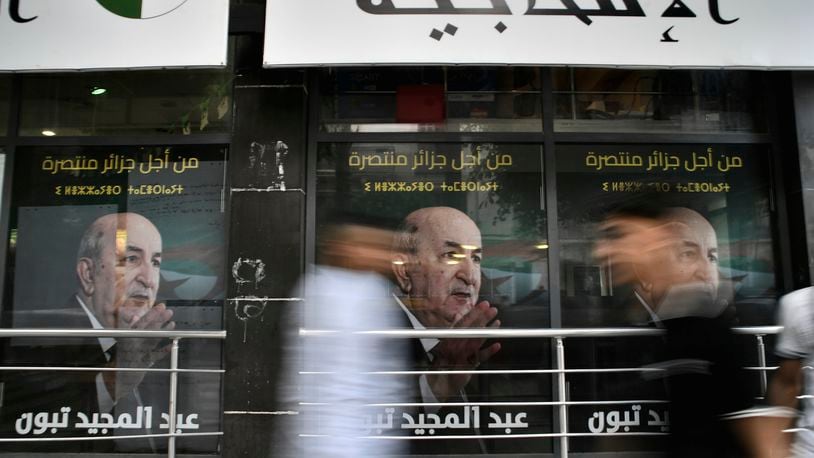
427,344
106,401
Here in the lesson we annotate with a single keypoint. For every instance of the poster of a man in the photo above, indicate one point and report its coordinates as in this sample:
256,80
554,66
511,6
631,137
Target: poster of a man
118,266
670,256
438,271
117,275
118,270
134,247
656,250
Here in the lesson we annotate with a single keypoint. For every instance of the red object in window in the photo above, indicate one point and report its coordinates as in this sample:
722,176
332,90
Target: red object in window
420,103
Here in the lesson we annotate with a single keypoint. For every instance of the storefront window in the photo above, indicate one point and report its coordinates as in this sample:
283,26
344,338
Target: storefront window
726,185
490,193
432,99
127,103
115,238
610,100
716,197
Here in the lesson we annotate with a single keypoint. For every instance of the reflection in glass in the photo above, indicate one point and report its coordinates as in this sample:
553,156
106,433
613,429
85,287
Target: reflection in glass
727,185
140,245
138,102
491,245
430,99
612,100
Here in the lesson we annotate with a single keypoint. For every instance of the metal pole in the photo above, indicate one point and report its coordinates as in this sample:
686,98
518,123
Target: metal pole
173,397
561,397
761,361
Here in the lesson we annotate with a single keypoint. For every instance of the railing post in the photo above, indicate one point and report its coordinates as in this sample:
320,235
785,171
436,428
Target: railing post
561,397
761,360
173,397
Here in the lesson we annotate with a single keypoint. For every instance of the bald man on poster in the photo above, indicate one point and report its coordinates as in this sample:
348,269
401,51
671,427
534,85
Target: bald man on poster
118,268
437,267
117,271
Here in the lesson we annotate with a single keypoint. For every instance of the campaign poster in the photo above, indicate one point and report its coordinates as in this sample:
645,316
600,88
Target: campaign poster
487,201
114,238
723,193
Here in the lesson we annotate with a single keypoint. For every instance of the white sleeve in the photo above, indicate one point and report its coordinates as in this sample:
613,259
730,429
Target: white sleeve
797,337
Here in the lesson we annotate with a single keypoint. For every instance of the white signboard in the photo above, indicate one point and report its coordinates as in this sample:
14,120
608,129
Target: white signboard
43,35
652,33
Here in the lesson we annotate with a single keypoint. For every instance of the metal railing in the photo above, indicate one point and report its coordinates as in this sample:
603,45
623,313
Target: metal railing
559,336
173,370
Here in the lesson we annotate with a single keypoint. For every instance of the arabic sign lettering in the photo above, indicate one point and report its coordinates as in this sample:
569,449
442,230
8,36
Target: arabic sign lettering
704,169
659,161
675,33
629,420
118,163
430,424
426,160
98,423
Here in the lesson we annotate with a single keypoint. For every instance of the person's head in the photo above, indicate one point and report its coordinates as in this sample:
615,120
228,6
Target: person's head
356,246
118,265
687,255
437,264
627,235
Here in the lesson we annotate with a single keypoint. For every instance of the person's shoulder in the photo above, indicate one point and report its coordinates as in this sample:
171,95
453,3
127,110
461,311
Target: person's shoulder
801,296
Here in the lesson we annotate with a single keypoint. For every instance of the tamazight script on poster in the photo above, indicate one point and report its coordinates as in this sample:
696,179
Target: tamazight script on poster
661,161
98,423
428,160
117,163
662,186
615,421
431,423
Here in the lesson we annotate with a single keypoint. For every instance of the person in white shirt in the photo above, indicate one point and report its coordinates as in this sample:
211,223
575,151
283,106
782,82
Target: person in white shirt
795,348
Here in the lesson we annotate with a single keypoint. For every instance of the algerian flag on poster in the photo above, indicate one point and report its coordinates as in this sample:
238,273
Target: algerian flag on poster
141,9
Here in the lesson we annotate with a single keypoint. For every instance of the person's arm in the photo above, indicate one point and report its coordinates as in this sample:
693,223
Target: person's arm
785,386
760,430
787,383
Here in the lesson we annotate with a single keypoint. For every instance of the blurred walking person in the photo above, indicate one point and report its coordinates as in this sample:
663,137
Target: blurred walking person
670,255
328,376
795,348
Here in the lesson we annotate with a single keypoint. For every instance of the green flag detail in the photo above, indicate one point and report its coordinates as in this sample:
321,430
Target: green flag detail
124,8
141,9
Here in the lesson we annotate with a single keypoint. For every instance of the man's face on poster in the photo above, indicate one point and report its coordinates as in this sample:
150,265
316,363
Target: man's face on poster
690,255
125,278
444,274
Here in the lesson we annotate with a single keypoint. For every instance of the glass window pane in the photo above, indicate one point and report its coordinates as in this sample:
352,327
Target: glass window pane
497,187
612,100
127,103
715,202
724,187
114,238
431,99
